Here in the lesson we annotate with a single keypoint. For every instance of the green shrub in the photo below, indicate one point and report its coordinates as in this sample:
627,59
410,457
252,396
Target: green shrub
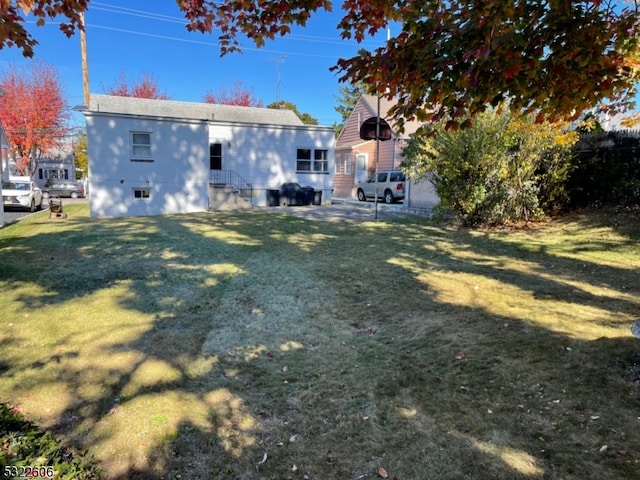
23,446
500,169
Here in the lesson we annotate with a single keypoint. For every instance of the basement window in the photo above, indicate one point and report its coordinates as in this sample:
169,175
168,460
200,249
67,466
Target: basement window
141,192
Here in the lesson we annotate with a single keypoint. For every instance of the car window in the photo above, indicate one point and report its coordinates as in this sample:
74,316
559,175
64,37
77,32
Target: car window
16,186
382,177
397,177
372,178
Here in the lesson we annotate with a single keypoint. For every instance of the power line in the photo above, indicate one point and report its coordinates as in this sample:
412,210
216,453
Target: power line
181,21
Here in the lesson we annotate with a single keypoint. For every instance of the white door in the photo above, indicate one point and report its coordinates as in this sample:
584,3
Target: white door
361,172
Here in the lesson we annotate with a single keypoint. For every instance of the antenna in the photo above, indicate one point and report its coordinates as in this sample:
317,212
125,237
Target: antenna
278,61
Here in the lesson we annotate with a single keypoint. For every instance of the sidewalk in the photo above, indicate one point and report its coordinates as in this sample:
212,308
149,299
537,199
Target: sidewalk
399,208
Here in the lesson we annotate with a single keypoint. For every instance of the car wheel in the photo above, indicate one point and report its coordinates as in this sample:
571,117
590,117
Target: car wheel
388,197
361,196
74,195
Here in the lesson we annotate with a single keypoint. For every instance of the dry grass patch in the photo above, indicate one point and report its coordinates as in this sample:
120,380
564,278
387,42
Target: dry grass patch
250,345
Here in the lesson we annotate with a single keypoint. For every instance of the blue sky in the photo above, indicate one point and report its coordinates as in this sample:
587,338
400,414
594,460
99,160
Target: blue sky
149,37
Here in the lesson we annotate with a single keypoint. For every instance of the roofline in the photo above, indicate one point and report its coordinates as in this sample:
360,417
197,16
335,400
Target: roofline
95,113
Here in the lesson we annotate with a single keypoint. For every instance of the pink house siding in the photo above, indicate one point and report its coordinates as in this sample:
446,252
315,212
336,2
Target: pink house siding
356,157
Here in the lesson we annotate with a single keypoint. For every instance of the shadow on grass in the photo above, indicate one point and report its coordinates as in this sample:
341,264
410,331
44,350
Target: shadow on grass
396,368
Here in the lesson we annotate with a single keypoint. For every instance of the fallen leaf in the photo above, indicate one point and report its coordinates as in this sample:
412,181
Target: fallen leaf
285,369
383,473
603,448
331,457
264,459
293,438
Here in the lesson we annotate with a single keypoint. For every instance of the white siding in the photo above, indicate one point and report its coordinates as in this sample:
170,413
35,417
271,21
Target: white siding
177,177
265,156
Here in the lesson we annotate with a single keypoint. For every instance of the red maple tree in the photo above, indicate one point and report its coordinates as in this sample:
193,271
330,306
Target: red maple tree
239,96
147,87
33,112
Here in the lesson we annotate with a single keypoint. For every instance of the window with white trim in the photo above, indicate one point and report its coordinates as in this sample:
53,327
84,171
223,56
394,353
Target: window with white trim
337,168
312,160
303,160
347,164
141,192
141,146
321,160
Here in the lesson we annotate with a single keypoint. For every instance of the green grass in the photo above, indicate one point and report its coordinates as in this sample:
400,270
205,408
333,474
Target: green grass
251,345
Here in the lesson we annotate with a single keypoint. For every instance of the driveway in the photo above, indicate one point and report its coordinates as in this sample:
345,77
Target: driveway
344,210
11,216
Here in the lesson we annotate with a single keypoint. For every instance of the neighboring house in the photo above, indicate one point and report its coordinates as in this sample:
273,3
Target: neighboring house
355,158
58,163
149,157
54,169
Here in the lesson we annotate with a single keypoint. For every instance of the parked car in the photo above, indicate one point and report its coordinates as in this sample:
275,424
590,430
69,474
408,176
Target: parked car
65,189
21,192
390,187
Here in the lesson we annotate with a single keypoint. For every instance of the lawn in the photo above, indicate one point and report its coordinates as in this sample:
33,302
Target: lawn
253,345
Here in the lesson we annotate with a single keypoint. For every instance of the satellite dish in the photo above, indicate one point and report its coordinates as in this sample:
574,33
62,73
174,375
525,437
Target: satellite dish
368,129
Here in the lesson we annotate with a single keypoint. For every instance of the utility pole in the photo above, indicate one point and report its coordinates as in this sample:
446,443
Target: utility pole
4,150
85,67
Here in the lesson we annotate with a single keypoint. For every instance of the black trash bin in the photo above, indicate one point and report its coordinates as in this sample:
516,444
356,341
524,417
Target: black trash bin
273,198
317,197
307,195
291,194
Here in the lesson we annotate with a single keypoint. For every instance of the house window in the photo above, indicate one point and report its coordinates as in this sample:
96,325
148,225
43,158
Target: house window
309,160
141,146
54,174
337,168
303,160
215,156
347,164
141,192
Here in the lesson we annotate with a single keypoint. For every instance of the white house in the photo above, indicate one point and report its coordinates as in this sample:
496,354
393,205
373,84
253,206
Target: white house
149,157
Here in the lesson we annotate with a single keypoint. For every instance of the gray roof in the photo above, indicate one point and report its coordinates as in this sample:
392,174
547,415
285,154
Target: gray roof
191,110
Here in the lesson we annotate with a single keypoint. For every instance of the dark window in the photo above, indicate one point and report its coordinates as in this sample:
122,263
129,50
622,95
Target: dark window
215,156
303,160
142,192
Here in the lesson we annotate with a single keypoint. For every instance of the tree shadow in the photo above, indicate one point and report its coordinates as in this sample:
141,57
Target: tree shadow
176,270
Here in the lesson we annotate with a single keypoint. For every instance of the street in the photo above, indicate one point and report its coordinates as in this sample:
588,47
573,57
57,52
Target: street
13,215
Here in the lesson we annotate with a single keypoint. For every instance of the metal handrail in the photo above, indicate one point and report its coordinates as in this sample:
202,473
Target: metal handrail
234,179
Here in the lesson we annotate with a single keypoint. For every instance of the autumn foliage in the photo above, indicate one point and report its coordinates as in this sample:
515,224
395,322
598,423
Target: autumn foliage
238,96
553,58
13,13
147,87
33,112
